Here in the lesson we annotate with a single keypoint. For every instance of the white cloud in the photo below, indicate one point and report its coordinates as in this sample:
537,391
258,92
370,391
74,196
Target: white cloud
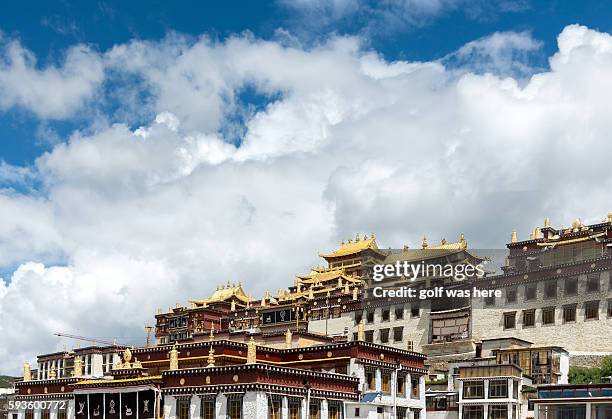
506,53
53,92
347,142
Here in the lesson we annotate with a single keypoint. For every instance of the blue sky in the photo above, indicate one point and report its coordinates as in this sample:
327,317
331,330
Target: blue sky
49,28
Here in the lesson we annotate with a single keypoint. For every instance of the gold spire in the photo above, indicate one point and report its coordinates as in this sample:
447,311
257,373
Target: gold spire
361,331
357,237
310,294
211,357
251,351
610,217
462,238
355,294
513,238
212,330
27,371
424,244
52,373
347,289
288,339
546,222
233,305
174,361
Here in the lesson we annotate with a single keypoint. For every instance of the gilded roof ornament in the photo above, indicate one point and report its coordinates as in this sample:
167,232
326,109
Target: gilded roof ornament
251,351
513,238
355,294
424,244
361,330
174,361
78,367
546,222
27,371
357,237
52,373
610,217
211,357
212,330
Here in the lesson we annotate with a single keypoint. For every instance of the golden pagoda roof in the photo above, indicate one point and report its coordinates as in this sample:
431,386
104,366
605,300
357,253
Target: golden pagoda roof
352,247
317,276
225,293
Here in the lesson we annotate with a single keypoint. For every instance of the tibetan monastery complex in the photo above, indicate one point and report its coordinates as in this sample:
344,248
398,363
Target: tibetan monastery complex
327,348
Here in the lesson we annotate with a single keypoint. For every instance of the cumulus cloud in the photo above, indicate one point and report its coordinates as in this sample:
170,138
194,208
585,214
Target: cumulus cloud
54,91
502,53
344,142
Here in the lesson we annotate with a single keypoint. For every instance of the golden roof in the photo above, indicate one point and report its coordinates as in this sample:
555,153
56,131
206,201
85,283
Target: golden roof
351,247
225,293
316,276
460,245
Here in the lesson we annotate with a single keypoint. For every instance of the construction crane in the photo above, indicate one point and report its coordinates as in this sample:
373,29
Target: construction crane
85,338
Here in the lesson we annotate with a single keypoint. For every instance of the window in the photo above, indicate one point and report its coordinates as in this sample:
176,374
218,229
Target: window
550,288
416,391
548,315
528,318
473,389
610,307
234,407
295,409
498,411
400,386
399,313
593,283
315,410
208,408
530,292
473,412
569,313
357,412
386,383
335,409
510,320
489,301
571,286
386,314
415,310
182,408
511,295
398,334
384,335
371,380
61,414
369,336
44,414
358,317
498,388
591,310
274,408
370,316
29,414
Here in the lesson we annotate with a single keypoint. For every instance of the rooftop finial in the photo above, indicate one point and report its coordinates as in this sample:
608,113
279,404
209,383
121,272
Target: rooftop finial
513,238
357,237
424,244
462,238
546,222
